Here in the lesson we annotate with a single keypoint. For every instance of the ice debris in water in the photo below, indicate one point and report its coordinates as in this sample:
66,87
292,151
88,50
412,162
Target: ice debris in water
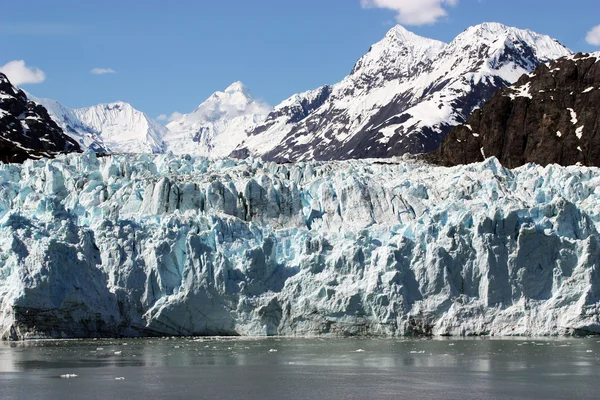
131,244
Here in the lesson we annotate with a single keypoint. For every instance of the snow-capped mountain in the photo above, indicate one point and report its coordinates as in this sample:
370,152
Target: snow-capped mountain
124,129
403,96
26,129
218,125
549,116
115,127
70,123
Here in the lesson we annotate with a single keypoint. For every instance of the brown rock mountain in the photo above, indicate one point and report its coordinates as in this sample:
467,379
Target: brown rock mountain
549,116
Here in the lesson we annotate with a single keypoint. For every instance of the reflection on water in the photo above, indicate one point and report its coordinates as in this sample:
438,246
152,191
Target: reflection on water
301,368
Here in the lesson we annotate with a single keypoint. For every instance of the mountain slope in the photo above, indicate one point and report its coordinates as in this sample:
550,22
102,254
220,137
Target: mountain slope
218,125
549,116
405,95
26,129
114,127
70,123
124,129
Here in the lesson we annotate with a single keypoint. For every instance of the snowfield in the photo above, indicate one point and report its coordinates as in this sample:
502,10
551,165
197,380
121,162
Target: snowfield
173,245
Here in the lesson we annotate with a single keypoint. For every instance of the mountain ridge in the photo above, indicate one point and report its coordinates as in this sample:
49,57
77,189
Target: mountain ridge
389,115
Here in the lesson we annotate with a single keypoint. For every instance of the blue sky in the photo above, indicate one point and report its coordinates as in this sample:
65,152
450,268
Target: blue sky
171,55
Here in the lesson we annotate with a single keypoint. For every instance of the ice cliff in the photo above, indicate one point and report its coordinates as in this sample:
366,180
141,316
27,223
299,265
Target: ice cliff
164,245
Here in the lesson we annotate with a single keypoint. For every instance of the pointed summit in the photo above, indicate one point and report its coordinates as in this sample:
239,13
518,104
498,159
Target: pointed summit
400,34
217,125
399,53
236,87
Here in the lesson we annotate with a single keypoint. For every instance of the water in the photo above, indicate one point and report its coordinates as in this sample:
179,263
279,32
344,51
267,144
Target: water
267,369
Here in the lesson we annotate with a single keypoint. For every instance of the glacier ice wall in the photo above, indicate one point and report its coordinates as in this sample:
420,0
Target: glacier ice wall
164,245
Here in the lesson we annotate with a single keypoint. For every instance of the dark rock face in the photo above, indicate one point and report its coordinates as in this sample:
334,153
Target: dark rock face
26,129
549,116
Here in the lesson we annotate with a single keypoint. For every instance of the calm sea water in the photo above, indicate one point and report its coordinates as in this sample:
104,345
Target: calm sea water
213,368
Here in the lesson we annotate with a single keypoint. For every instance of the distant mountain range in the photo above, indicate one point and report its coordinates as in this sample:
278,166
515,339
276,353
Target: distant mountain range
403,96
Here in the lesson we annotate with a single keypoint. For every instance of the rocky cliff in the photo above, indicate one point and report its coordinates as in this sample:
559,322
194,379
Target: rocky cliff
549,116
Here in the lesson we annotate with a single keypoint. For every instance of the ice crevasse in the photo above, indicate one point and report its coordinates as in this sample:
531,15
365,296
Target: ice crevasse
142,245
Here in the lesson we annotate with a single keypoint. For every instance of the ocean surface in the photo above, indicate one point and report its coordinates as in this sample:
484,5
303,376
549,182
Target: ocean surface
217,368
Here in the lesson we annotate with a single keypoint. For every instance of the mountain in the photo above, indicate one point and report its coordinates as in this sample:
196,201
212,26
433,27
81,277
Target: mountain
115,127
127,246
67,119
218,125
124,129
26,129
549,116
403,96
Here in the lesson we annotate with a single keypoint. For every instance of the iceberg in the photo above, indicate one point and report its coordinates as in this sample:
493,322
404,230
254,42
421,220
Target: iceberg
152,245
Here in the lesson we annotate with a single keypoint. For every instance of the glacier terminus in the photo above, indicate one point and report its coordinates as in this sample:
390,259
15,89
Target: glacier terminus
143,245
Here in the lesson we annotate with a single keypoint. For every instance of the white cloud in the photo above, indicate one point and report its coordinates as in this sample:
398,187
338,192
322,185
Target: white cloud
102,71
19,74
169,118
174,116
413,12
593,36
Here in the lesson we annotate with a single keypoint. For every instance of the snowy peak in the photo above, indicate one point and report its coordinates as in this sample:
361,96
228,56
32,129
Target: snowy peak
219,124
500,44
123,128
86,136
239,87
398,54
399,35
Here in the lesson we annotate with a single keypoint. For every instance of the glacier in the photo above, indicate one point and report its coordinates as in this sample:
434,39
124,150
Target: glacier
145,245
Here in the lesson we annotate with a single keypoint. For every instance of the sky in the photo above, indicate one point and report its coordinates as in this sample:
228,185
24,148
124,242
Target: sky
169,56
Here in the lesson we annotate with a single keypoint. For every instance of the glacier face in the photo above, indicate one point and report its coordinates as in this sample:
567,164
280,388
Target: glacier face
167,245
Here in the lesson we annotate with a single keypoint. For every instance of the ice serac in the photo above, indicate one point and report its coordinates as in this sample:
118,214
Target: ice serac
218,125
405,95
166,245
26,129
548,116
